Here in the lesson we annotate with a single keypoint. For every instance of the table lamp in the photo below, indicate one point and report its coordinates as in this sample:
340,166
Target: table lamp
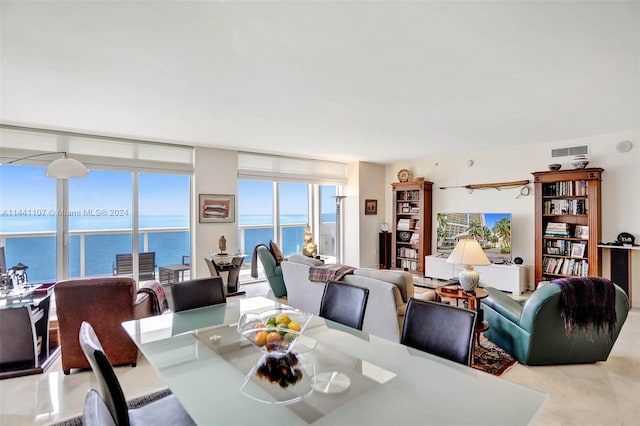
468,253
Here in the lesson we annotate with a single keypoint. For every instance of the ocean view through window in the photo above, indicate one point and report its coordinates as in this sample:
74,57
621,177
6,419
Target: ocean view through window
261,220
100,218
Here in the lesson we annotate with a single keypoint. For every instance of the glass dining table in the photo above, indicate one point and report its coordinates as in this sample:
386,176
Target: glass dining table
348,377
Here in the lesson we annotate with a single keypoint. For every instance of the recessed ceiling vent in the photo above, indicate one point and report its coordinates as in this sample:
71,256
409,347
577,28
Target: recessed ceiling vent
566,152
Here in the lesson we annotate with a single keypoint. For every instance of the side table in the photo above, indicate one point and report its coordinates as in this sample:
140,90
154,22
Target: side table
473,303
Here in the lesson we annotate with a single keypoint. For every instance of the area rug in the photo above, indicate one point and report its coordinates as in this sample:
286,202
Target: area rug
133,403
491,358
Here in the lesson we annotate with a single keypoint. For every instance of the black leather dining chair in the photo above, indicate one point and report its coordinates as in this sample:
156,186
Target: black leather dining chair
197,293
344,303
439,329
164,411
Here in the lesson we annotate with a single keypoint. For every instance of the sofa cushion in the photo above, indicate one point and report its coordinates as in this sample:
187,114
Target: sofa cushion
402,279
305,260
277,253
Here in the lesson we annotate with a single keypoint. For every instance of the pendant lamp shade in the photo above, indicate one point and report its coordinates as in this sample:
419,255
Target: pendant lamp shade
62,168
65,168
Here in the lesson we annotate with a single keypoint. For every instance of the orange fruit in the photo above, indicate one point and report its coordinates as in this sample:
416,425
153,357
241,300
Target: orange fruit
273,337
260,325
261,338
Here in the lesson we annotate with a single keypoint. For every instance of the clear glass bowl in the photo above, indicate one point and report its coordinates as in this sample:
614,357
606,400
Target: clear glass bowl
275,331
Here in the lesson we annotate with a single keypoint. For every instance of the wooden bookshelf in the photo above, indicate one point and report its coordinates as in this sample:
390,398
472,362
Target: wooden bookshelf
411,232
568,223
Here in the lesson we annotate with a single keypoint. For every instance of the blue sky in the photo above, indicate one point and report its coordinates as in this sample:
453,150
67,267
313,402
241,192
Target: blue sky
27,188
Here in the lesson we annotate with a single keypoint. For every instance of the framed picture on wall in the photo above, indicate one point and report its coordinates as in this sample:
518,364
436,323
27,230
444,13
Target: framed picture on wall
217,208
370,206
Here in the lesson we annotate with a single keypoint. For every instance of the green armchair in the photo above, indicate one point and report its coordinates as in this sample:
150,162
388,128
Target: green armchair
272,270
534,332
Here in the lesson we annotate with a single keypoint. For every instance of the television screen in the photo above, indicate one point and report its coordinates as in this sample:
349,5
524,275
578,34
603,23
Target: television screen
491,230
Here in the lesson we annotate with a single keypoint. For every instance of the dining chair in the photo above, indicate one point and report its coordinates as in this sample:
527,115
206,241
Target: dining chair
96,412
165,411
344,303
439,329
197,293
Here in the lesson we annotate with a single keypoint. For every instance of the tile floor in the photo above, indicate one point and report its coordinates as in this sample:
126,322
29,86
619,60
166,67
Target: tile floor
605,393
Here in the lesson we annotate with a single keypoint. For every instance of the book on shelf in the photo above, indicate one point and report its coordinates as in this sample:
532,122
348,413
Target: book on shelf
557,228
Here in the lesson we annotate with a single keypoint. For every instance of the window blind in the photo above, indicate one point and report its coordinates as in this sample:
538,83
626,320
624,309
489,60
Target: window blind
263,166
96,152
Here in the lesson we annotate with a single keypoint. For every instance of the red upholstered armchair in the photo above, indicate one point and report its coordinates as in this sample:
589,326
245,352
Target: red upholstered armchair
105,303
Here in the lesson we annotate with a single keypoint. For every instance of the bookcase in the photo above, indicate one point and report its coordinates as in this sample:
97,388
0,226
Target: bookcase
411,233
567,223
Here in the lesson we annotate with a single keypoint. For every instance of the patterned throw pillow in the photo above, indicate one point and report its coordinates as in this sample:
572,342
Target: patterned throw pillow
275,250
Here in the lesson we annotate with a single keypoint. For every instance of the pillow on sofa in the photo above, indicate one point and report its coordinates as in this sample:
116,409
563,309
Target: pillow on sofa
305,260
277,253
403,280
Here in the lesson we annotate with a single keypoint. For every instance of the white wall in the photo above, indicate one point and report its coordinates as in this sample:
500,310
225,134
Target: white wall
216,172
620,183
372,187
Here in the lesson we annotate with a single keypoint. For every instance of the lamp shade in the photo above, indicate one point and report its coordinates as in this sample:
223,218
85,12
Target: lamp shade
468,252
65,168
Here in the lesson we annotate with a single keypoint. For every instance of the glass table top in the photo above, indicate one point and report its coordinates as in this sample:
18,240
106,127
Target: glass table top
348,377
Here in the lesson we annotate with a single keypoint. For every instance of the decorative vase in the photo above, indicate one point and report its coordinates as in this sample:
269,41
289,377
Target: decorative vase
580,161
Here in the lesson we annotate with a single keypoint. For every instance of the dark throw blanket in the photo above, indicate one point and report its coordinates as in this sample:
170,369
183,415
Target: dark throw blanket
159,303
588,302
329,272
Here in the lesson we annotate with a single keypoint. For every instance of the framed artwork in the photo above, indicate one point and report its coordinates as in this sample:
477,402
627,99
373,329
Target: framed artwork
217,208
370,206
582,231
577,249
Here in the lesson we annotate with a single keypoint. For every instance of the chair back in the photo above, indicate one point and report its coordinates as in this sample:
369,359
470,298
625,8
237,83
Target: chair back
96,412
344,303
146,265
197,293
272,270
439,329
105,302
108,385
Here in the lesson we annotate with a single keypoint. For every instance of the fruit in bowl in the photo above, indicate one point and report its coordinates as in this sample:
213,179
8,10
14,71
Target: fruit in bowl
275,331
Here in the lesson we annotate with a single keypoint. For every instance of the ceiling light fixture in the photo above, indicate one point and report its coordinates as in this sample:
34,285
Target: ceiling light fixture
62,168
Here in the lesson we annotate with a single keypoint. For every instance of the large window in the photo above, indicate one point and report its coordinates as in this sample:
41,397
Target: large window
260,219
135,199
28,220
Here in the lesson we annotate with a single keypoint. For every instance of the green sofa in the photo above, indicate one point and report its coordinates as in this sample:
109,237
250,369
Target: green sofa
534,333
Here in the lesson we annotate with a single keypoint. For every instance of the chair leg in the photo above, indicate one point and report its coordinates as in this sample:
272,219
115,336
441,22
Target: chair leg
66,372
133,364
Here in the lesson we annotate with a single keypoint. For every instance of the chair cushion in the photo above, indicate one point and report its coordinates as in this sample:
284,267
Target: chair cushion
165,411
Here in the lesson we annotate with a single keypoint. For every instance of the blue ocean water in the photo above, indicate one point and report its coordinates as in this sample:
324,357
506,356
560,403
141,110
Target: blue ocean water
39,252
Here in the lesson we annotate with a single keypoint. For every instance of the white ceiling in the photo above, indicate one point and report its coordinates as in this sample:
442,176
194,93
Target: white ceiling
344,80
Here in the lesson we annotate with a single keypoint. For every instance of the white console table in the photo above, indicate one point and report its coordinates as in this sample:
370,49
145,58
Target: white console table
512,278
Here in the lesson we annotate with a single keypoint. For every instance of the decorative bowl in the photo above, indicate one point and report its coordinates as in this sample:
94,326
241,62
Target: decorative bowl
580,161
276,331
555,166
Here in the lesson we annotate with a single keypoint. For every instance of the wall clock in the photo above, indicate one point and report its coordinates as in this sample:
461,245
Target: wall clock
404,175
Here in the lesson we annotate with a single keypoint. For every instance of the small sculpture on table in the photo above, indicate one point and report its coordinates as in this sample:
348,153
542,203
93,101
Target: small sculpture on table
222,244
309,248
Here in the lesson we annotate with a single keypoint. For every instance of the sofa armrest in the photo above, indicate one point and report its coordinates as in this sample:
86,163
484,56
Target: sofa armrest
503,304
142,307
